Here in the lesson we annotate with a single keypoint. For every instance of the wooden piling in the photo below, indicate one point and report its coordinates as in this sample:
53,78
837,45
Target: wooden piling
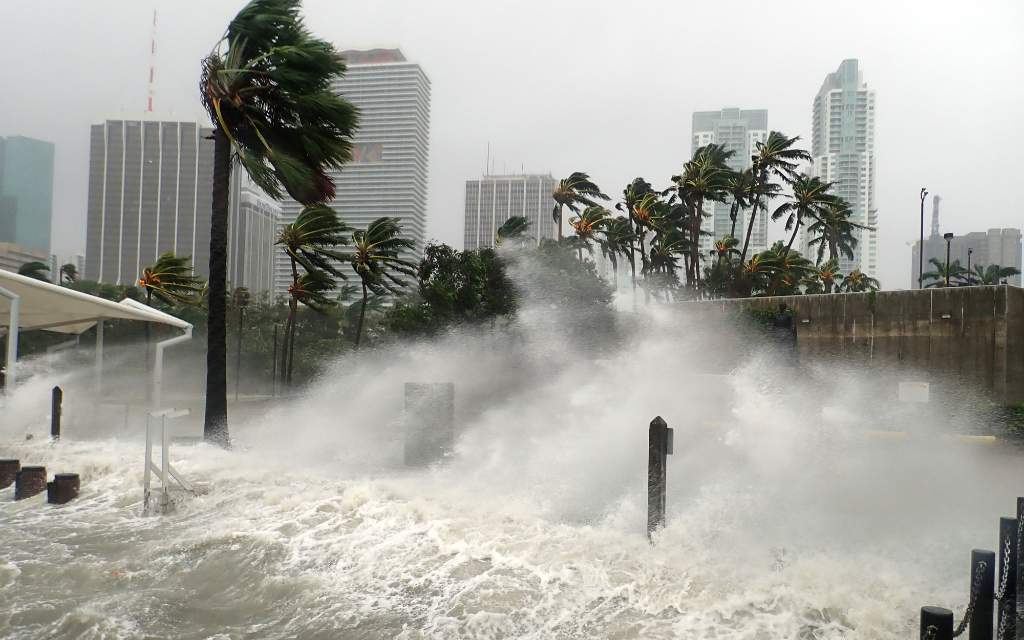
8,472
659,445
63,489
56,400
936,623
29,482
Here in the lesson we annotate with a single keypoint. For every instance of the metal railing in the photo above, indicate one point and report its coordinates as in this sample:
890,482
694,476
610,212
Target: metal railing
157,421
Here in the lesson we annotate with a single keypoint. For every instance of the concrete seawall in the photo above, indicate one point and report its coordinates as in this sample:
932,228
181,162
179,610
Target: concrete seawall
965,335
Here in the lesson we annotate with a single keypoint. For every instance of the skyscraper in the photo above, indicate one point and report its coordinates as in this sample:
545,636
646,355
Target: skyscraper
492,200
843,152
150,191
388,172
26,192
739,131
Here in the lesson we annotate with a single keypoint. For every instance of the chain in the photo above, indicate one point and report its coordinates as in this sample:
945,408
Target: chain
1003,579
1001,631
975,590
930,631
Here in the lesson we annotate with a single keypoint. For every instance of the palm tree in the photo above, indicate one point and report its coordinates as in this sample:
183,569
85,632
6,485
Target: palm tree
514,228
857,281
990,274
833,230
310,243
574,192
587,224
725,248
35,270
267,85
375,255
942,273
823,277
810,198
68,273
789,269
774,157
617,239
634,192
740,185
171,280
704,178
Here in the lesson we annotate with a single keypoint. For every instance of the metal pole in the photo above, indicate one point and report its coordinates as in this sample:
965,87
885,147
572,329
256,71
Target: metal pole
947,262
164,457
969,278
238,350
148,472
56,399
1008,576
99,359
659,445
920,246
980,626
273,374
936,623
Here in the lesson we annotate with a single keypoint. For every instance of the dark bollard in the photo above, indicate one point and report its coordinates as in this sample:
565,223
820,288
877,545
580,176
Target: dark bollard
1006,620
55,412
980,626
659,445
63,489
29,482
936,623
8,472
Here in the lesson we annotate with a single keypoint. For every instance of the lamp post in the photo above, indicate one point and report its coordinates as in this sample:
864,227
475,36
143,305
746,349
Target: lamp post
970,279
920,246
949,238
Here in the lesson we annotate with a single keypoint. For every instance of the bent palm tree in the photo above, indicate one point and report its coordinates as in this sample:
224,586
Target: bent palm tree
810,198
267,87
773,157
171,280
310,242
857,281
574,192
942,273
375,256
587,224
834,231
68,273
704,178
990,274
514,228
617,239
35,270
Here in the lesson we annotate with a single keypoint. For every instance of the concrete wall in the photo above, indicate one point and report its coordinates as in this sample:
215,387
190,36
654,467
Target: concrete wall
971,336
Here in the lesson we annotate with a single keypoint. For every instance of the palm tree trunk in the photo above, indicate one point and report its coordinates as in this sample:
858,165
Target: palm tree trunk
559,223
695,250
291,352
733,215
286,340
750,229
362,314
215,423
833,250
792,238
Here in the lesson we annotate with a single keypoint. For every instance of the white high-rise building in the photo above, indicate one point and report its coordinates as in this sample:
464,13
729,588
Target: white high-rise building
388,172
252,229
739,131
492,200
843,151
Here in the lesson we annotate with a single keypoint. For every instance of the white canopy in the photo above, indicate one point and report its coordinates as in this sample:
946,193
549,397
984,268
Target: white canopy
47,306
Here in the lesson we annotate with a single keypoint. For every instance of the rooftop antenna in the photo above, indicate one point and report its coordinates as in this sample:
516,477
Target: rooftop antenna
935,215
152,65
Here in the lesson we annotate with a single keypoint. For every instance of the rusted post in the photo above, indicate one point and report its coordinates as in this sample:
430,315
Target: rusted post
980,626
56,400
936,623
659,445
29,482
8,472
63,489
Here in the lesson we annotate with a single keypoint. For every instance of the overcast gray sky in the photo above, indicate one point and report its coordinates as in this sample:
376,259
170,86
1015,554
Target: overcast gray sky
602,86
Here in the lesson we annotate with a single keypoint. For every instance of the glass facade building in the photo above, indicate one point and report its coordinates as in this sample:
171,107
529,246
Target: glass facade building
26,192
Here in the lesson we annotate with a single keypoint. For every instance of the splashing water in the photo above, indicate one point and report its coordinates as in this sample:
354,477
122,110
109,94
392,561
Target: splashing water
785,519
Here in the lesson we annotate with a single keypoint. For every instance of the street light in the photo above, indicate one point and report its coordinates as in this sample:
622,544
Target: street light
969,278
949,238
920,246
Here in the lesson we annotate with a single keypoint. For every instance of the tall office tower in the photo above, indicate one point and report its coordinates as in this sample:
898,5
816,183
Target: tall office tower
150,185
980,248
739,131
251,234
388,172
26,192
492,200
843,151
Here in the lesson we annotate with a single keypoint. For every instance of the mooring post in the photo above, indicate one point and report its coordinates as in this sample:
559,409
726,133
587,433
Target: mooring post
983,561
936,623
8,472
63,489
29,482
659,446
56,399
1007,618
